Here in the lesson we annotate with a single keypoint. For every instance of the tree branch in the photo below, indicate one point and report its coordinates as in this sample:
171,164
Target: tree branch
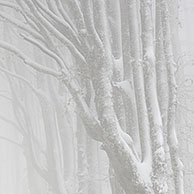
56,33
60,24
28,61
89,22
52,8
64,14
12,123
45,50
22,26
37,92
11,5
76,13
11,141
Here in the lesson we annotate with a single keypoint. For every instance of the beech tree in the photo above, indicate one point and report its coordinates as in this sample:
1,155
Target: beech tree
115,59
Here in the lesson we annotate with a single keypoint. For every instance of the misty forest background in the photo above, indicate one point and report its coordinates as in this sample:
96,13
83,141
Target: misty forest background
96,97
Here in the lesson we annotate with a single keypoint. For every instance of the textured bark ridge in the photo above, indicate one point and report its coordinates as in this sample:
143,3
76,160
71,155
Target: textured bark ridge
105,80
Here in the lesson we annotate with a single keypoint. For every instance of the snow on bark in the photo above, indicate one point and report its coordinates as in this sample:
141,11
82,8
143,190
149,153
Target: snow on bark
177,165
92,34
139,82
156,127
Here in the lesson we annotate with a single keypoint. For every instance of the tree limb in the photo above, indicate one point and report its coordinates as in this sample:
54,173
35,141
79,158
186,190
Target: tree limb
22,26
45,50
56,33
11,141
28,61
58,23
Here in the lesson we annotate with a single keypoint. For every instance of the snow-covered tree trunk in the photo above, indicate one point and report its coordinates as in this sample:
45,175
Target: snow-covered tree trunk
139,82
156,126
177,165
118,91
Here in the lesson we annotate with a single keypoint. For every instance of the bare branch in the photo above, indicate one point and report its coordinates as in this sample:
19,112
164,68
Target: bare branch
89,22
60,24
11,5
6,97
17,9
11,141
31,21
76,13
28,61
11,123
47,40
36,91
22,26
52,8
64,14
45,50
29,153
17,107
56,33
